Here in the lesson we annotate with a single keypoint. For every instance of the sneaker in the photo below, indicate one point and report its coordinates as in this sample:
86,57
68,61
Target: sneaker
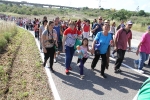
103,75
135,65
67,71
112,55
118,70
82,76
44,64
51,69
55,60
140,71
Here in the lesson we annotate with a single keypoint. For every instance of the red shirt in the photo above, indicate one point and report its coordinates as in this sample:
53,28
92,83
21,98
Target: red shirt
122,38
86,28
71,36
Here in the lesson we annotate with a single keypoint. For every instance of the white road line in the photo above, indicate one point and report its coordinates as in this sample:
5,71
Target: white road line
50,79
130,68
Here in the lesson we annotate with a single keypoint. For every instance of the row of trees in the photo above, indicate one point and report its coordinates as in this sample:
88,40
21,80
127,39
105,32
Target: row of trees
112,14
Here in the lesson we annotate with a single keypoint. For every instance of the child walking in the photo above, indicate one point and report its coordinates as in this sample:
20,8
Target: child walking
82,55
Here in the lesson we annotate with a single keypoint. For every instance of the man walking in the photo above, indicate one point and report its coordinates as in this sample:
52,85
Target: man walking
122,37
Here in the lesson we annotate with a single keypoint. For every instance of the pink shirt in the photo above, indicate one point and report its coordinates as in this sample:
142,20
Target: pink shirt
122,38
145,47
85,52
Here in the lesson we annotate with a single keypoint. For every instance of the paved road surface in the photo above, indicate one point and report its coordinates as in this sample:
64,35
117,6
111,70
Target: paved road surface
123,86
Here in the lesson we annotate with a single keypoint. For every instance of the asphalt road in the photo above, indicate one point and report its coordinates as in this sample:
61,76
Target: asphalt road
123,86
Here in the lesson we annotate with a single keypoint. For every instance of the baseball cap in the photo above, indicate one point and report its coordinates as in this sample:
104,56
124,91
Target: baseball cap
129,22
148,27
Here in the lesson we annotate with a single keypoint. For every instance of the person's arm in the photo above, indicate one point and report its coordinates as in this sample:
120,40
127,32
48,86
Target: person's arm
63,42
129,43
116,40
40,33
137,52
94,28
43,45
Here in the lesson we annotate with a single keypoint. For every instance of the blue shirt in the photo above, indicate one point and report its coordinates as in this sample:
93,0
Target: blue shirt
99,28
104,41
57,28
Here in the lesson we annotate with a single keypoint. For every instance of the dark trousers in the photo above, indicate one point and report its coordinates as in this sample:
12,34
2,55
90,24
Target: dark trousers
120,57
103,62
50,53
81,66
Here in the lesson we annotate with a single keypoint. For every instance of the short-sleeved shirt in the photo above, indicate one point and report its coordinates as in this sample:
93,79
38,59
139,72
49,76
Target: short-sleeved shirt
86,28
42,28
49,36
57,28
104,41
145,47
71,36
122,37
97,30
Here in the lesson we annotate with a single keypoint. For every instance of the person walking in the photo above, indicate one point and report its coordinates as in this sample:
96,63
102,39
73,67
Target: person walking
144,51
82,51
49,40
69,38
122,37
97,27
103,38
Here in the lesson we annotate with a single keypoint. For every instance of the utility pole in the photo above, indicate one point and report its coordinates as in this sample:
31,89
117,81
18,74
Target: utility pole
99,4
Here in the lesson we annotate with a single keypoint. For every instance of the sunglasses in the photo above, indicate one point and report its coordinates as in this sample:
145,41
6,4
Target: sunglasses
100,19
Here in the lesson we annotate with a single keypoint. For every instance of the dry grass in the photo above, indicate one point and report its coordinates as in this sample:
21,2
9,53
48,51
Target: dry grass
7,31
21,75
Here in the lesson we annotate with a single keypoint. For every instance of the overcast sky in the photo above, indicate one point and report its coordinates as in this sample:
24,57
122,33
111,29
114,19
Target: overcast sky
117,4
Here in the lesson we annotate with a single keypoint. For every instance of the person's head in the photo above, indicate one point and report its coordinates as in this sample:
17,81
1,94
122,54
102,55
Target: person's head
148,29
44,22
72,24
106,26
56,20
85,42
122,21
44,18
113,24
100,20
95,21
87,22
128,25
50,25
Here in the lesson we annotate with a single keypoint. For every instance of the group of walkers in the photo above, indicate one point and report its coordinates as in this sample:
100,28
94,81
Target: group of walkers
70,37
58,36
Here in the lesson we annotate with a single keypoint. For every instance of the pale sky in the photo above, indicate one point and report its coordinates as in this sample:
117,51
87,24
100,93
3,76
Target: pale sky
107,4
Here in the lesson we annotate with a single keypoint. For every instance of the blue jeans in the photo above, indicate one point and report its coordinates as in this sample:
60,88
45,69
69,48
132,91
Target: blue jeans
69,55
81,66
143,58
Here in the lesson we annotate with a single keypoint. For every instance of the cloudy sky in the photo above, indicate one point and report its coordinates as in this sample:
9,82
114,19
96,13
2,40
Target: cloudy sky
117,4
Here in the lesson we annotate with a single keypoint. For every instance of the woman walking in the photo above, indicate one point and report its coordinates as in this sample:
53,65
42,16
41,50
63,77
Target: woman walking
49,40
69,38
103,38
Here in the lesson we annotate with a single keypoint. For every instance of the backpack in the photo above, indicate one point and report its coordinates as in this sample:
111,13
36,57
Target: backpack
144,92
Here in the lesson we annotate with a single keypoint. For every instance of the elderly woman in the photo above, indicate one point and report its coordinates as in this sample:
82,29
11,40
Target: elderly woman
49,40
69,38
103,38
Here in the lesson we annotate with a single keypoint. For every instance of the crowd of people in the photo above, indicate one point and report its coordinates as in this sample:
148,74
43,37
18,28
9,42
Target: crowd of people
70,37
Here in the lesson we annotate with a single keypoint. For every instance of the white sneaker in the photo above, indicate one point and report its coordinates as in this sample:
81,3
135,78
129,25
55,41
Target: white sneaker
55,61
112,55
82,76
140,71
